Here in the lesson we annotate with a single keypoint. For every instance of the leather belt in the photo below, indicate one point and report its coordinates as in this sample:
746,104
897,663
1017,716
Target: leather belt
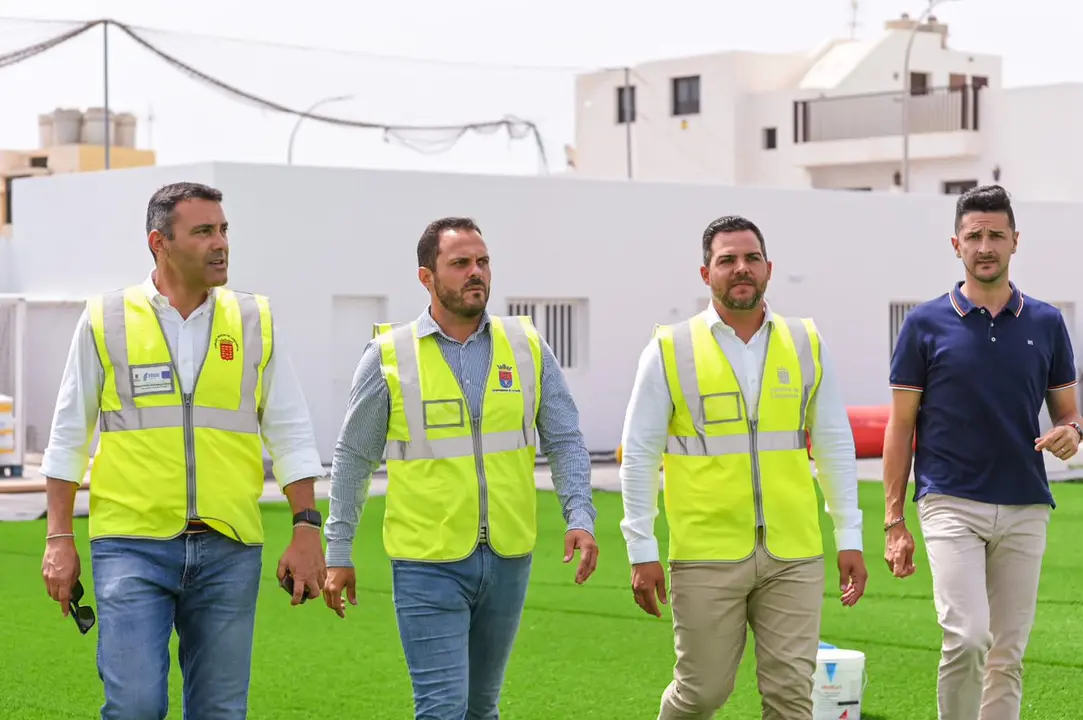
197,526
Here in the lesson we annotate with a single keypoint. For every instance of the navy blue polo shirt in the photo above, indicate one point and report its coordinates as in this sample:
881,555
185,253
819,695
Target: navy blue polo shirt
983,381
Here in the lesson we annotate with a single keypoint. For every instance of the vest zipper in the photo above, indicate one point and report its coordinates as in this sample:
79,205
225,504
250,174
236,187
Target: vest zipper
186,414
479,458
483,488
190,456
190,426
753,425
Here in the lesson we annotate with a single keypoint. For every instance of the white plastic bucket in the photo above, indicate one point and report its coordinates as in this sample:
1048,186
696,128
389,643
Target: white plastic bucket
838,684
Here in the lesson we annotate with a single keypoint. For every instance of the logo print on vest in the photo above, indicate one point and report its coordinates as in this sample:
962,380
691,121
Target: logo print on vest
783,376
505,376
226,345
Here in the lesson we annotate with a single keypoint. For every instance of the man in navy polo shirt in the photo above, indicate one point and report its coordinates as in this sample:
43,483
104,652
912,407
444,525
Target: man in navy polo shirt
970,372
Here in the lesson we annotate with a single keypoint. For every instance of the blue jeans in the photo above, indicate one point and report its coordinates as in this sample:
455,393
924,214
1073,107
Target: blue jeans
203,584
458,623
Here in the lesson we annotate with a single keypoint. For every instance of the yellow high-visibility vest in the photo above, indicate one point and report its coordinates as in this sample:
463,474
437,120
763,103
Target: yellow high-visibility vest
165,458
448,474
726,474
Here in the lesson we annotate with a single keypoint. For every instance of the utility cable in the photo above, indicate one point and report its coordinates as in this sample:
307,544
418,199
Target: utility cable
411,136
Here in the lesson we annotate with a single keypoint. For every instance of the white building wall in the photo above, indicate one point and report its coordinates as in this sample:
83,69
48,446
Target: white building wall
1029,133
707,147
1034,138
758,165
745,93
881,69
631,251
601,142
7,282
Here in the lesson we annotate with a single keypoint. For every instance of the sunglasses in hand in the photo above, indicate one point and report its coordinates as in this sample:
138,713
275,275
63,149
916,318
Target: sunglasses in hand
82,614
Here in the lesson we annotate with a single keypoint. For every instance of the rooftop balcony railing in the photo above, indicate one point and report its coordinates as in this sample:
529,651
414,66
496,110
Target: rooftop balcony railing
856,117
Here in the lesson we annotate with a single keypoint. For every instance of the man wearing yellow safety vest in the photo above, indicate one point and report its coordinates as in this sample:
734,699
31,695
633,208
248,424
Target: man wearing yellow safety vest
724,401
181,377
457,398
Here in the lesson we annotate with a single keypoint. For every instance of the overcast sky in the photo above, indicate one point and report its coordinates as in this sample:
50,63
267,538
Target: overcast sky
446,63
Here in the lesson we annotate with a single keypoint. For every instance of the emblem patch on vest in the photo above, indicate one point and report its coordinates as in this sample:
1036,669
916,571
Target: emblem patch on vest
152,380
226,345
784,390
505,376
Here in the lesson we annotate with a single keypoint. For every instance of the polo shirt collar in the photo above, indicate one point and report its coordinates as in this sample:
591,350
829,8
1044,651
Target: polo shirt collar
963,306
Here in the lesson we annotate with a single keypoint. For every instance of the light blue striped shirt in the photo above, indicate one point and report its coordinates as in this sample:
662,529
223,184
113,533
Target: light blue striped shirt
360,447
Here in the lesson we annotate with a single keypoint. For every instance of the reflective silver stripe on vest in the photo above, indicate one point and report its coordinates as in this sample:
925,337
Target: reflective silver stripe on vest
252,328
703,446
130,417
734,444
420,447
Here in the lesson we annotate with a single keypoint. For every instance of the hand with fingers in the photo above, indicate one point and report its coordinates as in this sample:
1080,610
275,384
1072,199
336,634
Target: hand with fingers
899,550
1062,441
588,553
60,568
302,565
340,579
853,576
649,587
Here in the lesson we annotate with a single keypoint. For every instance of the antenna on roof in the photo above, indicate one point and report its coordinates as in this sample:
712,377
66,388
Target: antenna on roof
853,18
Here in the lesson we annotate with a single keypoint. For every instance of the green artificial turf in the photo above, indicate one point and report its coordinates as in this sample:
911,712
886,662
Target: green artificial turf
583,651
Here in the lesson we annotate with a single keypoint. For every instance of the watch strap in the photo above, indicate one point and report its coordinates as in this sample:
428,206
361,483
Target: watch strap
308,516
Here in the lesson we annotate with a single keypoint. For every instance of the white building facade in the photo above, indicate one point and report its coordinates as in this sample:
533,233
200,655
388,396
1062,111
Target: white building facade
597,263
832,119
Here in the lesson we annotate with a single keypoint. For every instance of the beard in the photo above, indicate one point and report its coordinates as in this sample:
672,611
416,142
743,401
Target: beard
989,273
725,295
457,301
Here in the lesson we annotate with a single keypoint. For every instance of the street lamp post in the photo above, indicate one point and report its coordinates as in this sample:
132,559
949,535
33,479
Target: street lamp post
306,113
906,91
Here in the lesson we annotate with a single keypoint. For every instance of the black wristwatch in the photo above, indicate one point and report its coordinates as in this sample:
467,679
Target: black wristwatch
310,516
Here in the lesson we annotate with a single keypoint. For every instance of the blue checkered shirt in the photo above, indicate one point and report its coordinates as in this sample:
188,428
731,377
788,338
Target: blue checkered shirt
360,447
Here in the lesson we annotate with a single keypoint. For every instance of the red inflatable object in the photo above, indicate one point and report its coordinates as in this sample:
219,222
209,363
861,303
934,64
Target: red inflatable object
868,423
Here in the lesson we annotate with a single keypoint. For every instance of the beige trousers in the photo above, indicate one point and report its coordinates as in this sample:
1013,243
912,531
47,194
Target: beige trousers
714,604
985,560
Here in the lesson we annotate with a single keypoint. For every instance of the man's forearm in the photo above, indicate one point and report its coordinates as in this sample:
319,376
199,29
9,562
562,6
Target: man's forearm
562,442
570,468
347,501
898,458
60,504
301,494
1069,417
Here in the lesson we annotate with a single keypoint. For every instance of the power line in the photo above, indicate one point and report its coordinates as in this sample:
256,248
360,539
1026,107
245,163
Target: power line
409,135
316,48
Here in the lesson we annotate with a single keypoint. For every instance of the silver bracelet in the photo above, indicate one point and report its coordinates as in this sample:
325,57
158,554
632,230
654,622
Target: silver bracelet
55,536
897,521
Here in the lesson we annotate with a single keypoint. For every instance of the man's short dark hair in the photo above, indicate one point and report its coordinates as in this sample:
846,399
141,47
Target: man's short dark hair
729,224
428,247
984,199
165,200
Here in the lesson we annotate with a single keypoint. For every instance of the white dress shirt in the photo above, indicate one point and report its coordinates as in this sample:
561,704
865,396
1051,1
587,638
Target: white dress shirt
646,427
285,427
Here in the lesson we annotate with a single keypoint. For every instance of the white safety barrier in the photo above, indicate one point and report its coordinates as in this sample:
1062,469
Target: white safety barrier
12,386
